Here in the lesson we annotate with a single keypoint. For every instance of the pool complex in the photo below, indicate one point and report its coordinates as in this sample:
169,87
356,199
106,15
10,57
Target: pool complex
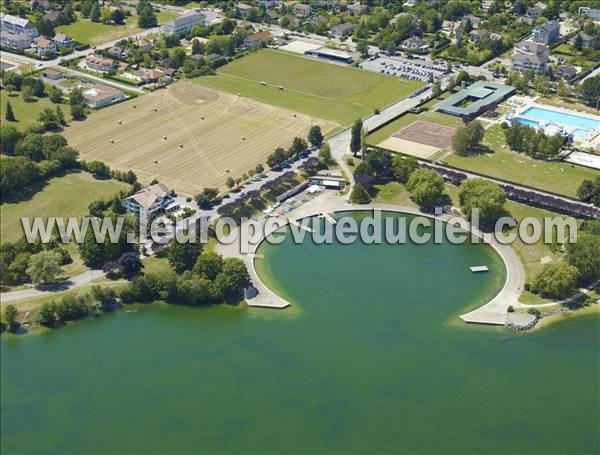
579,125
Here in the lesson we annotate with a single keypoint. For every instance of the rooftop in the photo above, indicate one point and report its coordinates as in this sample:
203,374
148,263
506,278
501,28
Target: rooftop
471,99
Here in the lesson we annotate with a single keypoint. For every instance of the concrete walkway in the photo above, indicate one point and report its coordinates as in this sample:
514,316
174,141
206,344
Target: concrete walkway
82,279
494,312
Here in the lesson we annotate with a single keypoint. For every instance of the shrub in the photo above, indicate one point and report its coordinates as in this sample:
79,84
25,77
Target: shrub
360,195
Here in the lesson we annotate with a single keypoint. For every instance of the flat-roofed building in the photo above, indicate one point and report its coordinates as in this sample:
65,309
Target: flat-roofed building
97,95
476,99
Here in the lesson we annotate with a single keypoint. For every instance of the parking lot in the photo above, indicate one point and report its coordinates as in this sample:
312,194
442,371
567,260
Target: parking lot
413,69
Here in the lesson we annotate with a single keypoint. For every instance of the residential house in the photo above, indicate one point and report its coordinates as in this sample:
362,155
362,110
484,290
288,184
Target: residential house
46,47
590,13
358,8
143,44
256,39
39,4
302,9
531,48
567,72
243,9
63,40
524,62
17,25
475,21
97,95
588,41
533,12
272,15
416,43
268,3
292,19
529,55
452,28
8,39
149,201
150,75
184,23
320,19
342,30
99,63
326,3
411,2
486,5
52,74
53,17
475,36
546,33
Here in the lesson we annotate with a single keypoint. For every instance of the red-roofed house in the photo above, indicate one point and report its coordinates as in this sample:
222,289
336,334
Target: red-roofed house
46,47
256,39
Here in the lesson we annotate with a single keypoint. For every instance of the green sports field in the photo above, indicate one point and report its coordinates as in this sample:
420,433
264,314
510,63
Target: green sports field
326,90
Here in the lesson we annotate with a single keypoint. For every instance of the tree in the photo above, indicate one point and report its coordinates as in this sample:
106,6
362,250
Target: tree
183,256
485,196
209,265
276,158
259,169
325,153
315,137
197,48
117,16
9,138
298,147
556,281
71,308
589,191
27,94
98,169
426,188
379,163
44,267
16,173
589,90
10,115
207,197
355,136
10,316
363,48
49,119
403,167
146,16
585,255
105,297
95,13
47,315
578,43
55,94
230,182
360,195
31,146
78,112
232,280
468,138
76,97
364,133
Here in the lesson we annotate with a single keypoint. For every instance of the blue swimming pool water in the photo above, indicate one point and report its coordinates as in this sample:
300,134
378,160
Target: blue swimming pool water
580,125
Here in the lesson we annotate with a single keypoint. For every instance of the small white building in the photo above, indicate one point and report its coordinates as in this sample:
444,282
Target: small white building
97,96
46,47
64,40
152,200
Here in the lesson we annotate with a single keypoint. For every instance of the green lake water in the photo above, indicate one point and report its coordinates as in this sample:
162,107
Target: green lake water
370,358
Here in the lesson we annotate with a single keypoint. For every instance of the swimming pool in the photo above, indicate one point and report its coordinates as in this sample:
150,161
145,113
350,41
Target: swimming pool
578,125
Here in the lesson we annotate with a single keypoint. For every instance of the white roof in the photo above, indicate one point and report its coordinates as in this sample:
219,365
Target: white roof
14,20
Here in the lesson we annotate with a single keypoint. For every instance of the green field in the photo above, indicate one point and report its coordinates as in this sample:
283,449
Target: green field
94,33
27,114
62,196
558,177
329,91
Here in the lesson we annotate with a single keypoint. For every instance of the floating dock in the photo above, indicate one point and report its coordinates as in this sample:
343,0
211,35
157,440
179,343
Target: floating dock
300,225
479,268
329,218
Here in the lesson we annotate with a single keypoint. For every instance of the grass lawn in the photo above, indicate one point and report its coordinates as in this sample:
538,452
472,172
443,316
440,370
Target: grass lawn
62,196
94,33
559,177
164,16
567,104
27,114
329,91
